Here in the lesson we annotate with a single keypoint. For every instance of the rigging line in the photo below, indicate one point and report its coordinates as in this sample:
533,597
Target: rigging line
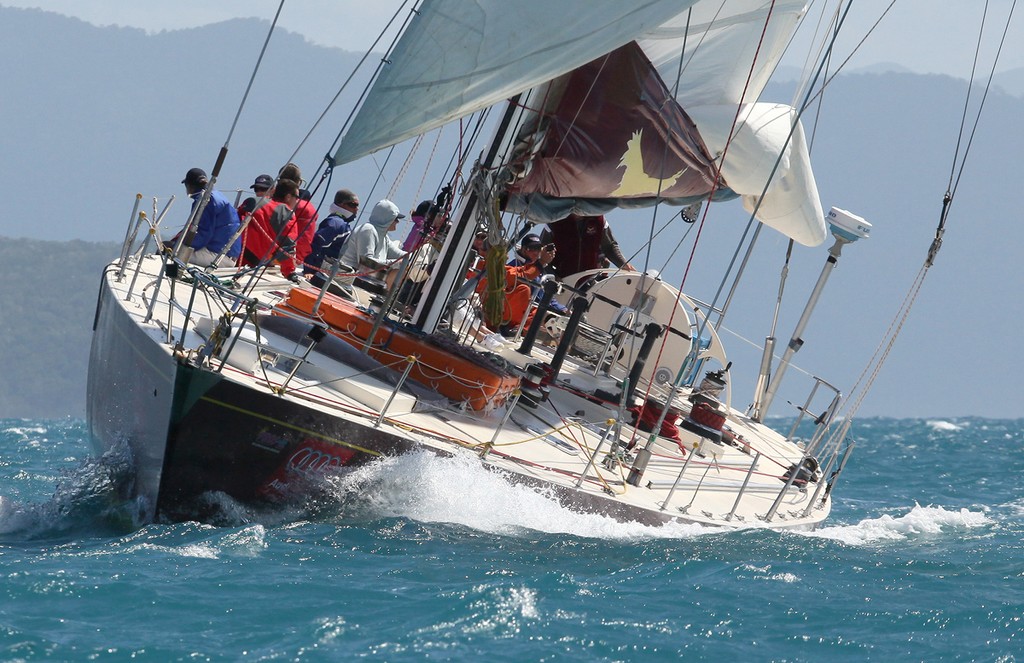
198,209
349,80
929,261
380,176
426,168
541,107
895,323
718,179
457,162
542,111
947,199
967,100
664,157
252,77
812,56
704,319
881,359
827,60
678,245
633,340
984,96
404,168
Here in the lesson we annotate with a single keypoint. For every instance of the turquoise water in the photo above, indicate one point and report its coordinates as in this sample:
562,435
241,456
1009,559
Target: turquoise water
426,558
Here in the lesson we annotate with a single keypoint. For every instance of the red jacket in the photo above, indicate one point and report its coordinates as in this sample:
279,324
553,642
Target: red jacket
260,240
305,225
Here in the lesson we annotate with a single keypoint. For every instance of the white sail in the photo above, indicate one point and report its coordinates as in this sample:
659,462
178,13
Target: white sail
762,133
732,48
729,49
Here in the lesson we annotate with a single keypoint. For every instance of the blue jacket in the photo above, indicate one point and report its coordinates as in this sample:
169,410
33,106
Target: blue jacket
218,223
327,242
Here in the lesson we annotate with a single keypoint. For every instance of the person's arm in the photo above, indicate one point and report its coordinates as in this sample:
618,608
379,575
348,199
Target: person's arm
364,249
316,253
610,249
532,270
395,250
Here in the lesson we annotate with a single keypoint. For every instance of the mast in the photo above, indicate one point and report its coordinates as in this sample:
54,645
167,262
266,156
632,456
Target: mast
448,273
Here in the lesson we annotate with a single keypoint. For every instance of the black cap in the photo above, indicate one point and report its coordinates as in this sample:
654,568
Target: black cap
531,241
262,182
195,177
426,208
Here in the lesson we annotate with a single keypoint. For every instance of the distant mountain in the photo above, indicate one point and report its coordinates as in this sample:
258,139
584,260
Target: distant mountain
880,68
1012,81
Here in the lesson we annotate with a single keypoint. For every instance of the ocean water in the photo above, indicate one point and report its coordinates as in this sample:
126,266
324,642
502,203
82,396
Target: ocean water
421,558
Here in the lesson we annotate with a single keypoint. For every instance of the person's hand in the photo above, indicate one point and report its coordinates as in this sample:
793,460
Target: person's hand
628,268
547,254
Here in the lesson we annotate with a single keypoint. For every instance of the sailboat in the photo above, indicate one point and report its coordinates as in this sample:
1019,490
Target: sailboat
239,381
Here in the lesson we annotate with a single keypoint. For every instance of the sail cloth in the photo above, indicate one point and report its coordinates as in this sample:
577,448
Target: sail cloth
457,57
732,49
615,132
762,133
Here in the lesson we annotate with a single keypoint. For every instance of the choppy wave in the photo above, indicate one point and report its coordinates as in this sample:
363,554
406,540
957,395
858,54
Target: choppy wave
919,521
88,498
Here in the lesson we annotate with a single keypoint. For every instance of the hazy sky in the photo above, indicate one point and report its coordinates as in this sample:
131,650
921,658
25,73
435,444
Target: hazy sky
354,24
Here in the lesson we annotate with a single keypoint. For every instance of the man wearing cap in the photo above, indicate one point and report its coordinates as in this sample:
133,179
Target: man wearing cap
262,188
332,234
369,248
518,295
529,251
270,234
216,226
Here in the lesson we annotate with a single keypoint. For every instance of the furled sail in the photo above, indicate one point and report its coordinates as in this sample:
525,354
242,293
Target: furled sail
712,60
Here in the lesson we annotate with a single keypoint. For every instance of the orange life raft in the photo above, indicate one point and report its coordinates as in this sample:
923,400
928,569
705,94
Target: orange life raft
457,377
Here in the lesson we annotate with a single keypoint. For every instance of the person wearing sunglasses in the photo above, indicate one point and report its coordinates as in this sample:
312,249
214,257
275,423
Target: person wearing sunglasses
331,236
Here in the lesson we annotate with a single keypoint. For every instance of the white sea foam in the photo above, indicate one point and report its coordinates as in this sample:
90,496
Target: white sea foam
765,573
945,426
920,520
26,431
247,542
459,490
